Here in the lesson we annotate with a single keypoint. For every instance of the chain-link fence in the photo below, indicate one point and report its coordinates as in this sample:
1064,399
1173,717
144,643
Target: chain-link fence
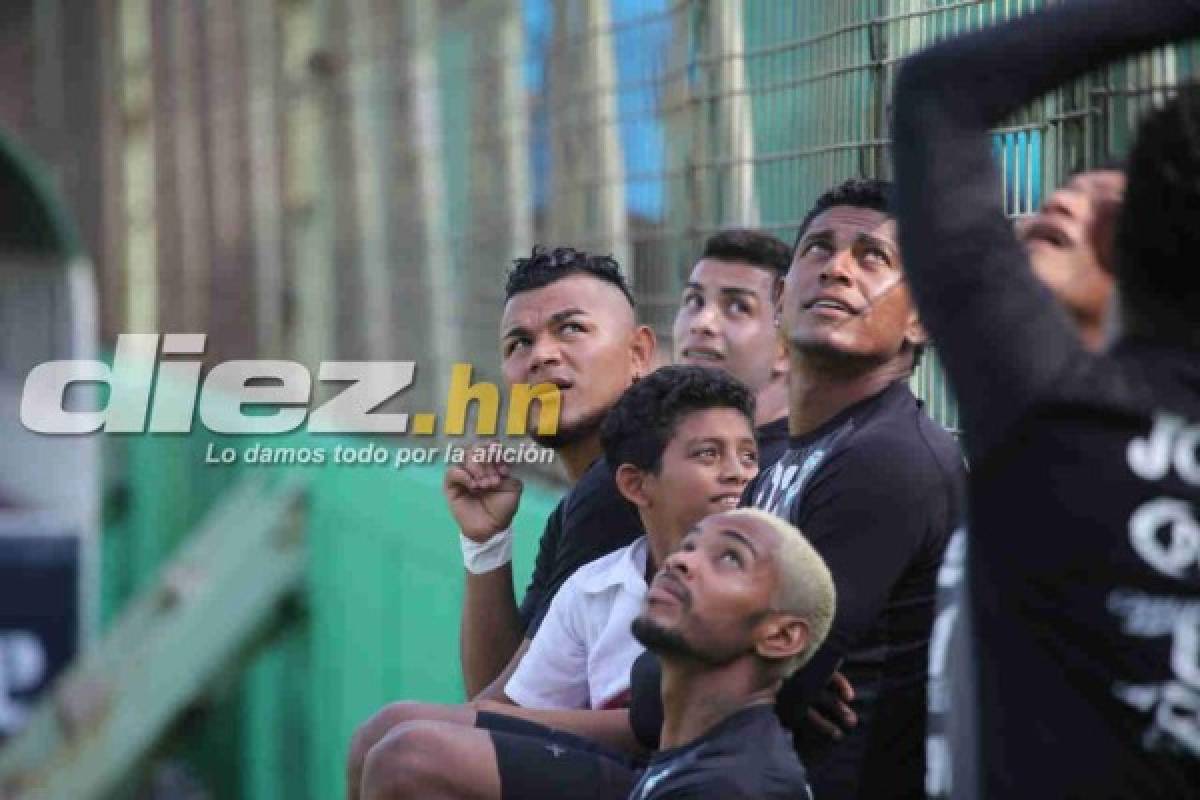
639,128
319,179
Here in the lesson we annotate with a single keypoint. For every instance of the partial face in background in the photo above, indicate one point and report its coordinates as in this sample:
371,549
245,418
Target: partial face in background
726,320
707,462
707,601
578,333
1070,243
845,295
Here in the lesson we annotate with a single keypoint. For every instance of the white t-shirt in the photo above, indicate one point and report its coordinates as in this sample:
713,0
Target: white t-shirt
581,655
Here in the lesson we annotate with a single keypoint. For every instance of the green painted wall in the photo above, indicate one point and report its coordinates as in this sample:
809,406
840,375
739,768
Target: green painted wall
378,622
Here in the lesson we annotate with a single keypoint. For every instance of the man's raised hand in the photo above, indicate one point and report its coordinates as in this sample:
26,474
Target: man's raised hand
483,495
831,712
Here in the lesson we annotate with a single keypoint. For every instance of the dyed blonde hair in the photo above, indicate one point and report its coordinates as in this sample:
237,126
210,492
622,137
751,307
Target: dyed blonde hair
803,587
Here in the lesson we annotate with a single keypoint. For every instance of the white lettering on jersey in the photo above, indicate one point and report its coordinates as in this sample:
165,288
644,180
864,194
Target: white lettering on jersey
1164,533
1170,442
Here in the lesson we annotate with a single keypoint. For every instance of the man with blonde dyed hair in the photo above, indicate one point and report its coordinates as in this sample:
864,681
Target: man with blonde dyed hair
742,604
805,588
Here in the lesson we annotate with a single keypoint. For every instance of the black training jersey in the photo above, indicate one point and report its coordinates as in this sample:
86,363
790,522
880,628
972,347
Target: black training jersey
645,700
1084,604
772,440
877,490
746,756
1068,663
591,521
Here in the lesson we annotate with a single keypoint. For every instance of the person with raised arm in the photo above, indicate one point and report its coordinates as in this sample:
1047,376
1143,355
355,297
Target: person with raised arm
1072,650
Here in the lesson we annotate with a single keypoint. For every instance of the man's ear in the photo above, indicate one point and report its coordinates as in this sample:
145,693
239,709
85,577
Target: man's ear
783,362
914,331
781,636
631,483
777,293
642,346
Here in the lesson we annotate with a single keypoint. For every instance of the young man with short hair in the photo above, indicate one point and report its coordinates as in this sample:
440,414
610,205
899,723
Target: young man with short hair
726,320
569,319
872,481
1069,242
683,442
742,604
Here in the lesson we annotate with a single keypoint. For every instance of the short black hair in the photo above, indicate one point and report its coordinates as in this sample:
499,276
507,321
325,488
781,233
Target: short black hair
869,193
857,192
544,267
1158,230
638,428
756,248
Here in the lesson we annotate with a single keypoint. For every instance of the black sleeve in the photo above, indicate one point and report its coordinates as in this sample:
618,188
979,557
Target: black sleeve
1002,336
540,591
710,787
591,521
872,511
645,701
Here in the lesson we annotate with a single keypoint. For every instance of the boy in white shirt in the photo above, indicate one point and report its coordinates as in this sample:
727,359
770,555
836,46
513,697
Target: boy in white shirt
683,438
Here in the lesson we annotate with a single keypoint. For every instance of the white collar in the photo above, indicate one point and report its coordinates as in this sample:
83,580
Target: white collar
624,567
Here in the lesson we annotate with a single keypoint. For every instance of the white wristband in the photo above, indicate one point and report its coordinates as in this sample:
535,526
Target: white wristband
481,557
